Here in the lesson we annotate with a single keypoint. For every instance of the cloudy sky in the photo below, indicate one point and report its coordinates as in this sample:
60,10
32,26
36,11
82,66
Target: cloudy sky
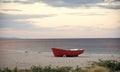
60,18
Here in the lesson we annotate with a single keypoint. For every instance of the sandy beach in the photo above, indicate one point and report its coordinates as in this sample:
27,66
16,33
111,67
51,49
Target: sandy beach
25,59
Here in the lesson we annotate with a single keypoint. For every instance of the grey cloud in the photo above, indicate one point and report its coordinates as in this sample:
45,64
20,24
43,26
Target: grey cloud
15,24
71,3
118,21
11,21
19,1
22,16
11,10
21,25
59,2
81,3
68,3
116,0
85,28
86,14
78,28
116,7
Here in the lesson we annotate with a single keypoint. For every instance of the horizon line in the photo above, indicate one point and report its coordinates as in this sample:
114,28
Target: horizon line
62,38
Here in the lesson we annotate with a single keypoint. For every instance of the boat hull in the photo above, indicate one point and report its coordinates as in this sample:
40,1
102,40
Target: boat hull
67,53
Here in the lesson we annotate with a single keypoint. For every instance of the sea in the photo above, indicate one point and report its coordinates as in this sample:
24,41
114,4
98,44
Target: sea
90,45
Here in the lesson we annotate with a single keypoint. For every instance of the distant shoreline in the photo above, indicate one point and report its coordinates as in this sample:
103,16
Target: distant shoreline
50,38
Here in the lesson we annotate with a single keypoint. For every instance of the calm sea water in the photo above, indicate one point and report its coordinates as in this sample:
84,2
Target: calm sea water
98,46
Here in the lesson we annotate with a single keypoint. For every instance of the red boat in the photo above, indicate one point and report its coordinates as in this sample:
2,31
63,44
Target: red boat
67,53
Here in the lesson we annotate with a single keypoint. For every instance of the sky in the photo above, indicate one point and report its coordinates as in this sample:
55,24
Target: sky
60,18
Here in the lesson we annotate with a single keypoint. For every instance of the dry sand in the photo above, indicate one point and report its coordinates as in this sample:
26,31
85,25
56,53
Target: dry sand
25,59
